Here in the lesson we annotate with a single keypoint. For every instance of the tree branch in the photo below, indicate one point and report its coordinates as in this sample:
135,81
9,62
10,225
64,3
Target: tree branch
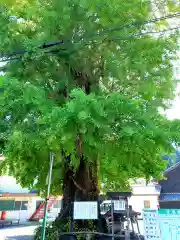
77,185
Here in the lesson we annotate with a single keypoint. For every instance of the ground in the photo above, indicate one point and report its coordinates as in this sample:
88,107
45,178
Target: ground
17,233
26,232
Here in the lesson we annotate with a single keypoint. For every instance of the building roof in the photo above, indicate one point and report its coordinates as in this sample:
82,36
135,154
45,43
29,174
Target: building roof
18,194
33,191
172,168
172,183
169,197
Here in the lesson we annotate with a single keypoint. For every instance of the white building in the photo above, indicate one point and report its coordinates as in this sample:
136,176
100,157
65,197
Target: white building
21,203
145,196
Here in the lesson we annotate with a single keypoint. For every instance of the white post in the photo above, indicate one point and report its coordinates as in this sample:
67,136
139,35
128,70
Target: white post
47,196
20,211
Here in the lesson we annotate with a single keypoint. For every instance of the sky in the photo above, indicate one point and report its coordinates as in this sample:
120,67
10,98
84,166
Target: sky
174,112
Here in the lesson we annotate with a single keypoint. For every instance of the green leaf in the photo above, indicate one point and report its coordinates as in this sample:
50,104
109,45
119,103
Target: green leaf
97,99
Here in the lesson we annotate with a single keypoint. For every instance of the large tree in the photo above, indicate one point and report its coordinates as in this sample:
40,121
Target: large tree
85,80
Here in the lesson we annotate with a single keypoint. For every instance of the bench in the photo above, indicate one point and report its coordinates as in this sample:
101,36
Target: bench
9,222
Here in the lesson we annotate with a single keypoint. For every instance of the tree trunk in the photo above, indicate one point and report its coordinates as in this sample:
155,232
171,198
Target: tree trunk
79,186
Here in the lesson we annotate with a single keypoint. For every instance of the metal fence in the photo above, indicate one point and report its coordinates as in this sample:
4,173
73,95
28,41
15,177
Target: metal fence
98,236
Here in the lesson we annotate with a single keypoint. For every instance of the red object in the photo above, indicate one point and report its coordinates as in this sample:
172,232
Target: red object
39,213
3,215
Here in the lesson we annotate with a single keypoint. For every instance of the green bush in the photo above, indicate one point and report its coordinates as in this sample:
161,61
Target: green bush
51,232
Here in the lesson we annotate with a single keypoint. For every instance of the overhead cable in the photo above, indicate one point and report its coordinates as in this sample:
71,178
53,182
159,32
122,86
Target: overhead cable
100,33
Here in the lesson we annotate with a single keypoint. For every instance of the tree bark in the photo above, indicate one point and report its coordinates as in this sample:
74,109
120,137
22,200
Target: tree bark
81,185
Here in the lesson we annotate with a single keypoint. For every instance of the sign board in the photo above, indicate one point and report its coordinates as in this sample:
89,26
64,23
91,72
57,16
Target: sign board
119,205
85,210
151,226
162,224
7,205
169,222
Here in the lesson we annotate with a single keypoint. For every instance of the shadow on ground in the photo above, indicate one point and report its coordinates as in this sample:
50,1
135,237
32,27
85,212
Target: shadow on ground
20,238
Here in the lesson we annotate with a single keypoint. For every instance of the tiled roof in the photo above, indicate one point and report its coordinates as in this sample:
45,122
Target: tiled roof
172,184
172,168
33,191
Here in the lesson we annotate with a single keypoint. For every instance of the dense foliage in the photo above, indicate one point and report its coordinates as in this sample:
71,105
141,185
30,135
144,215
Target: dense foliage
93,99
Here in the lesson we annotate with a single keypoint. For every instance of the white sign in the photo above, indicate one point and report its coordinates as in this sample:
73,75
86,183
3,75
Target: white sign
85,210
169,220
151,225
119,205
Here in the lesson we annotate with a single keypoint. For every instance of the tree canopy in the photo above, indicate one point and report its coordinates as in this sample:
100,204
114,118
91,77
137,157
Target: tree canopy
85,78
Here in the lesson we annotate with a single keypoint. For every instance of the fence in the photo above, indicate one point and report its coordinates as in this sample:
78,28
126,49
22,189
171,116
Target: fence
98,236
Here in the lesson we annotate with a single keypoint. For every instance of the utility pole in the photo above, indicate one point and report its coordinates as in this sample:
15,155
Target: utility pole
47,196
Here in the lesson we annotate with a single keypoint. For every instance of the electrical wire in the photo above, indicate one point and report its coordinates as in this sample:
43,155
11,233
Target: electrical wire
146,33
56,51
45,45
132,36
139,23
102,32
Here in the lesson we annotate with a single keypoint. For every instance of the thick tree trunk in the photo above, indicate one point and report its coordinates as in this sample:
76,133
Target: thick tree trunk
79,186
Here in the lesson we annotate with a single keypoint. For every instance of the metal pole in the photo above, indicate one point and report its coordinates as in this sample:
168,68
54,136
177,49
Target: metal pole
128,216
20,211
47,196
112,218
127,234
71,218
99,216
